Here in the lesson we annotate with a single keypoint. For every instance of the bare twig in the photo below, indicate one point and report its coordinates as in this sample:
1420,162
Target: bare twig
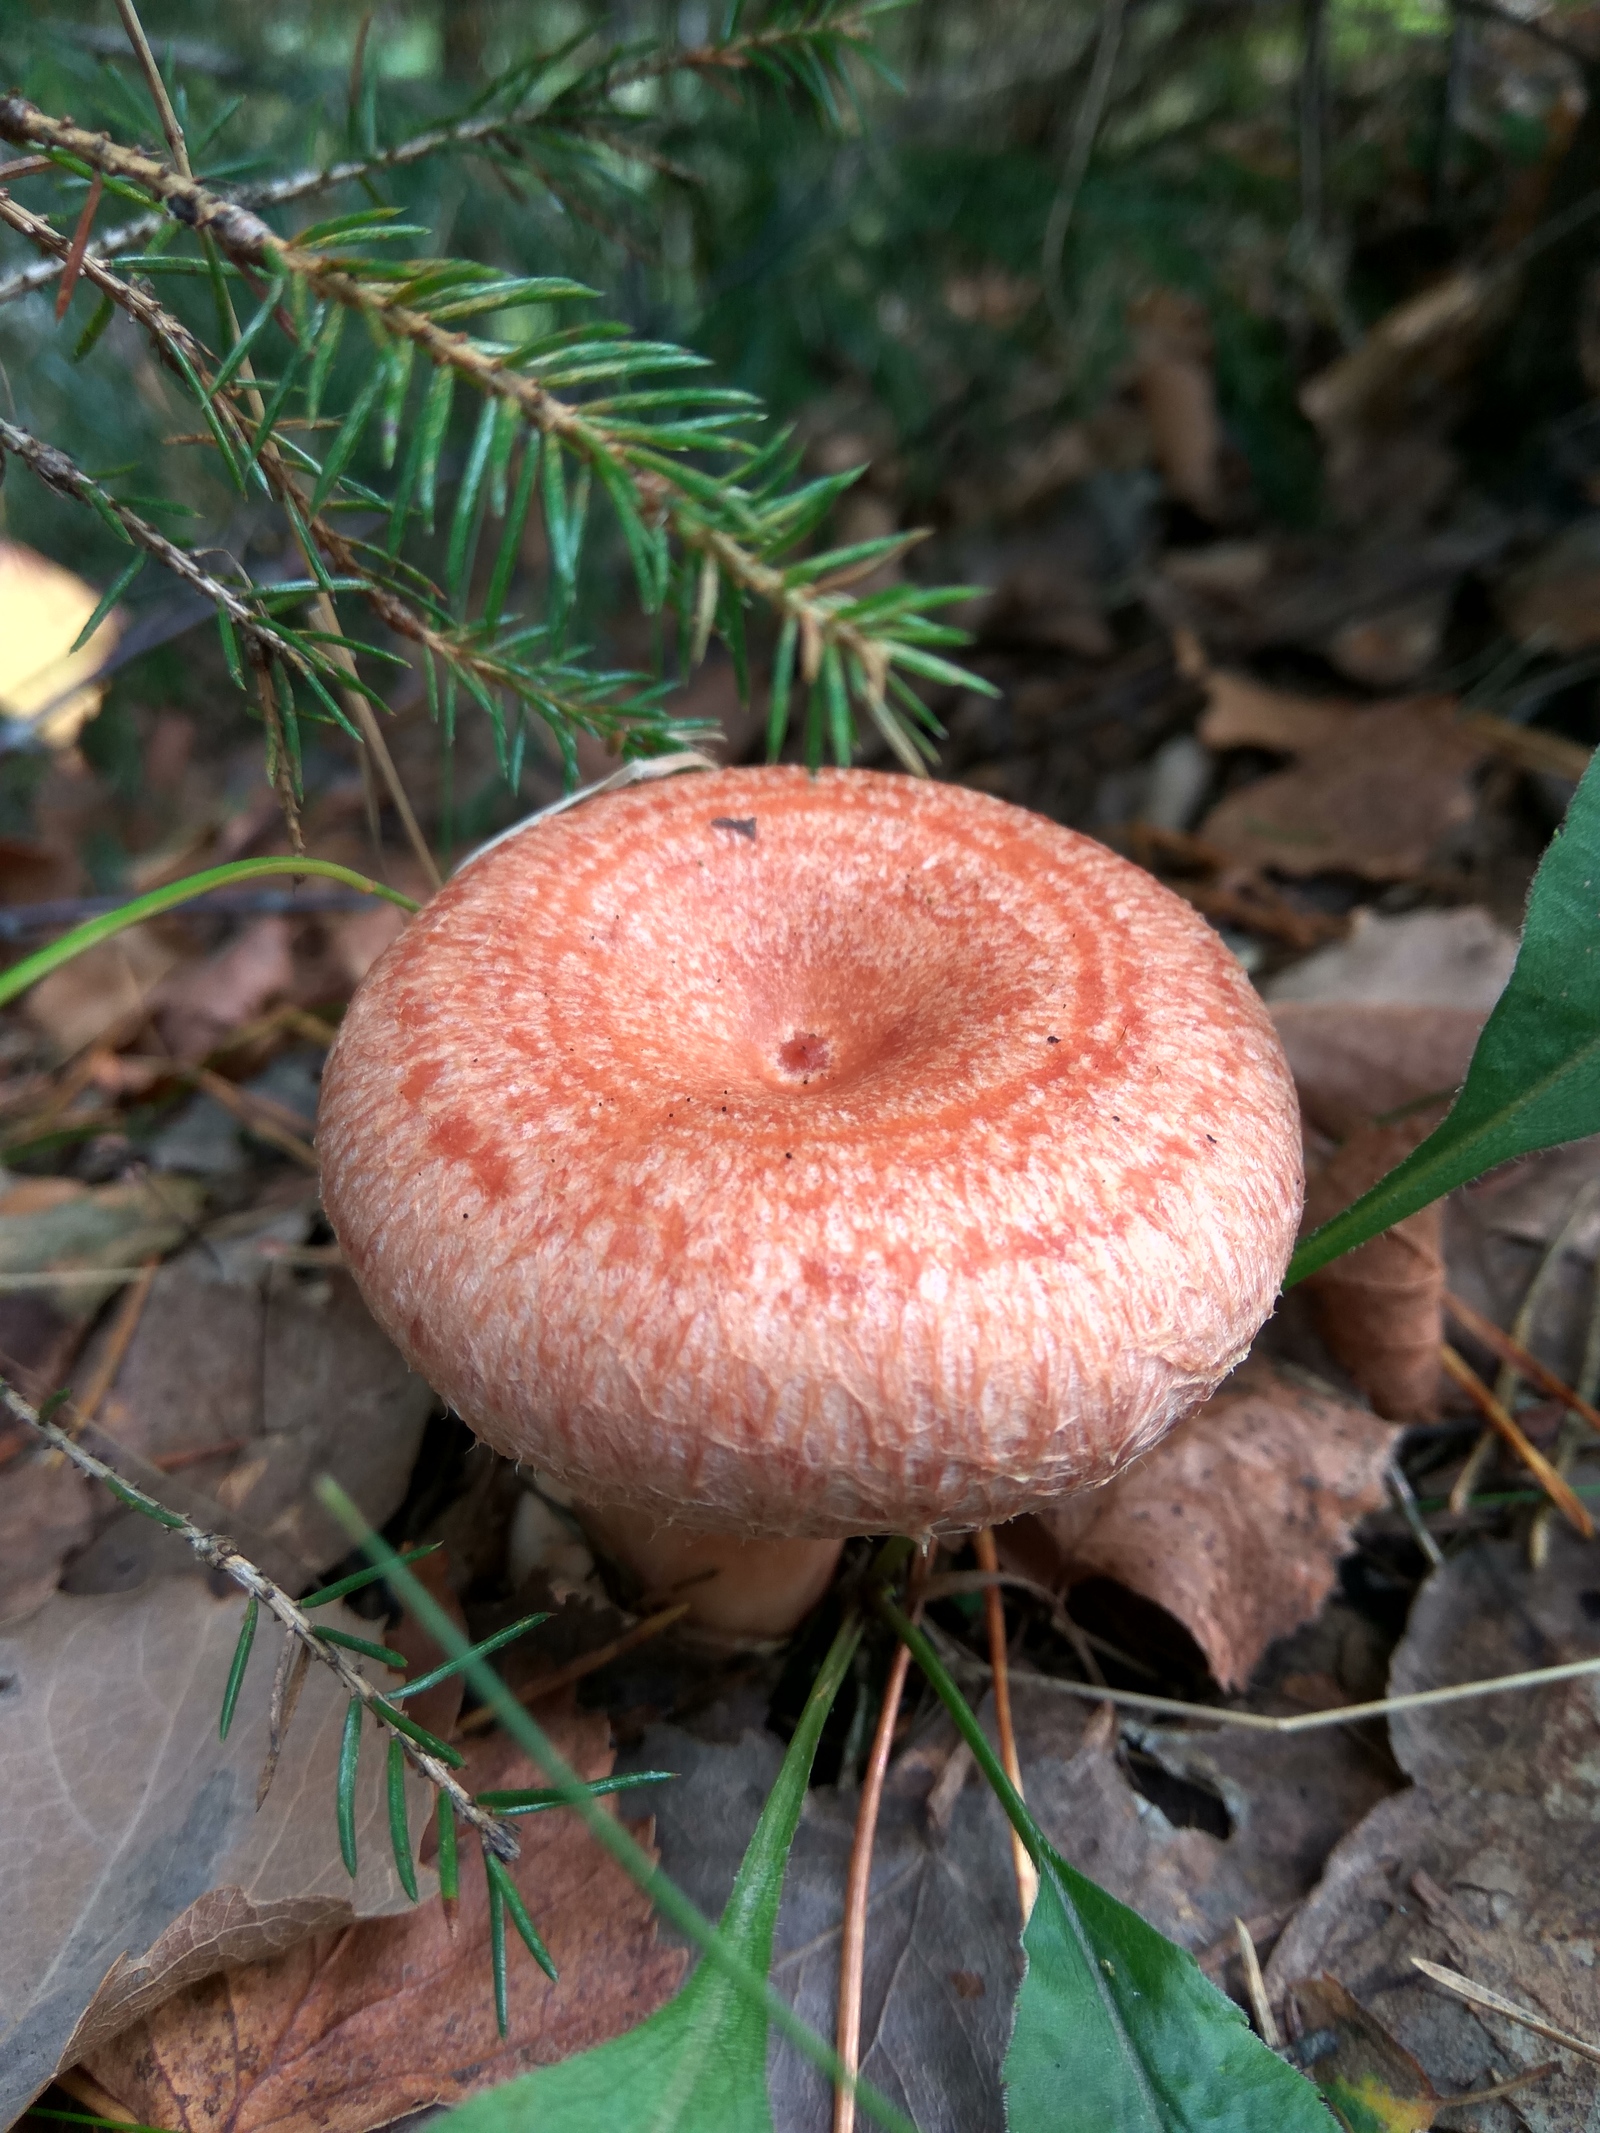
1256,1986
853,1925
1519,1359
1480,1996
1507,1427
157,87
218,1553
995,1614
1350,1714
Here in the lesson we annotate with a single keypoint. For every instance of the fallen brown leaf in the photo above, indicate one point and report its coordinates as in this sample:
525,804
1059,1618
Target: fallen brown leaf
1553,603
1244,713
98,989
45,1512
1352,1062
132,1858
1234,1523
1458,958
1375,797
286,1367
1487,1864
201,1003
1381,1307
58,1224
1361,2067
355,2028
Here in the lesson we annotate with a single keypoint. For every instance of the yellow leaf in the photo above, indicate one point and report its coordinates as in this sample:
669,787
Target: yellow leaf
42,609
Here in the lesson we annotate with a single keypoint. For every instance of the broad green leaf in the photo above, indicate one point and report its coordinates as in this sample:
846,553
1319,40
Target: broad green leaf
1118,2030
699,2064
1534,1080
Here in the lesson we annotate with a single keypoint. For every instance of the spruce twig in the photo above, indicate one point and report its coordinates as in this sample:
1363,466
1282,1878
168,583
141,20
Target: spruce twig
218,1553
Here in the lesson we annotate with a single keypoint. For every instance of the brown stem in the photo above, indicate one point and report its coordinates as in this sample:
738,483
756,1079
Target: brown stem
1560,1492
853,1927
995,1612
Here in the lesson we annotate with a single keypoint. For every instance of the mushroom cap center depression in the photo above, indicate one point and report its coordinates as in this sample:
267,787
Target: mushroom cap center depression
881,1154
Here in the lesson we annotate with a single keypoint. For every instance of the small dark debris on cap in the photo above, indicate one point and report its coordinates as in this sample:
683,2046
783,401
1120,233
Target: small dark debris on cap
741,825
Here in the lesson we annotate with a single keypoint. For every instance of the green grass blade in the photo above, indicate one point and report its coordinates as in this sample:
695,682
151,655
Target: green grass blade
241,1659
1534,1080
32,968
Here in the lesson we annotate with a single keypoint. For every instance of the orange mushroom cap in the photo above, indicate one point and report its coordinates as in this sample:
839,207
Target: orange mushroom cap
791,1154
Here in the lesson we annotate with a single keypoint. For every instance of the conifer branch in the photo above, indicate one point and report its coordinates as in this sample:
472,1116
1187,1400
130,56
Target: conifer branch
218,1553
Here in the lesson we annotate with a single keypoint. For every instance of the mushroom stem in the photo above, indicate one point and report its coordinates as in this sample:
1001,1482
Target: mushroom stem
734,1587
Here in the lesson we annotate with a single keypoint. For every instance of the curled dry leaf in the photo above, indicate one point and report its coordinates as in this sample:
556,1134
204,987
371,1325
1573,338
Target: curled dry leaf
1487,1864
352,2029
1374,797
132,1858
1381,1307
1234,1523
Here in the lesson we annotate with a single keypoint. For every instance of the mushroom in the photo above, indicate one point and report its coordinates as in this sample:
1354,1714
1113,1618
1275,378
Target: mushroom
769,1156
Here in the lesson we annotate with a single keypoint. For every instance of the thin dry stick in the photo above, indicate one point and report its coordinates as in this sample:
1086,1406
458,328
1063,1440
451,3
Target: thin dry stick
853,1927
995,1612
1559,1491
1351,1714
118,1341
217,1552
1480,1996
254,1113
158,88
543,1685
1517,1358
1256,1986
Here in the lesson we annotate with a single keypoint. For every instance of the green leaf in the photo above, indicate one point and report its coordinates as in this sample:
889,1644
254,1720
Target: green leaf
108,601
497,1945
399,1829
351,432
782,682
431,426
349,1758
1534,1080
841,728
505,562
241,1659
1117,2030
642,550
447,1862
99,319
464,520
365,1646
430,1743
495,1643
136,1500
326,339
538,1798
359,1579
501,1882
699,2064
397,382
